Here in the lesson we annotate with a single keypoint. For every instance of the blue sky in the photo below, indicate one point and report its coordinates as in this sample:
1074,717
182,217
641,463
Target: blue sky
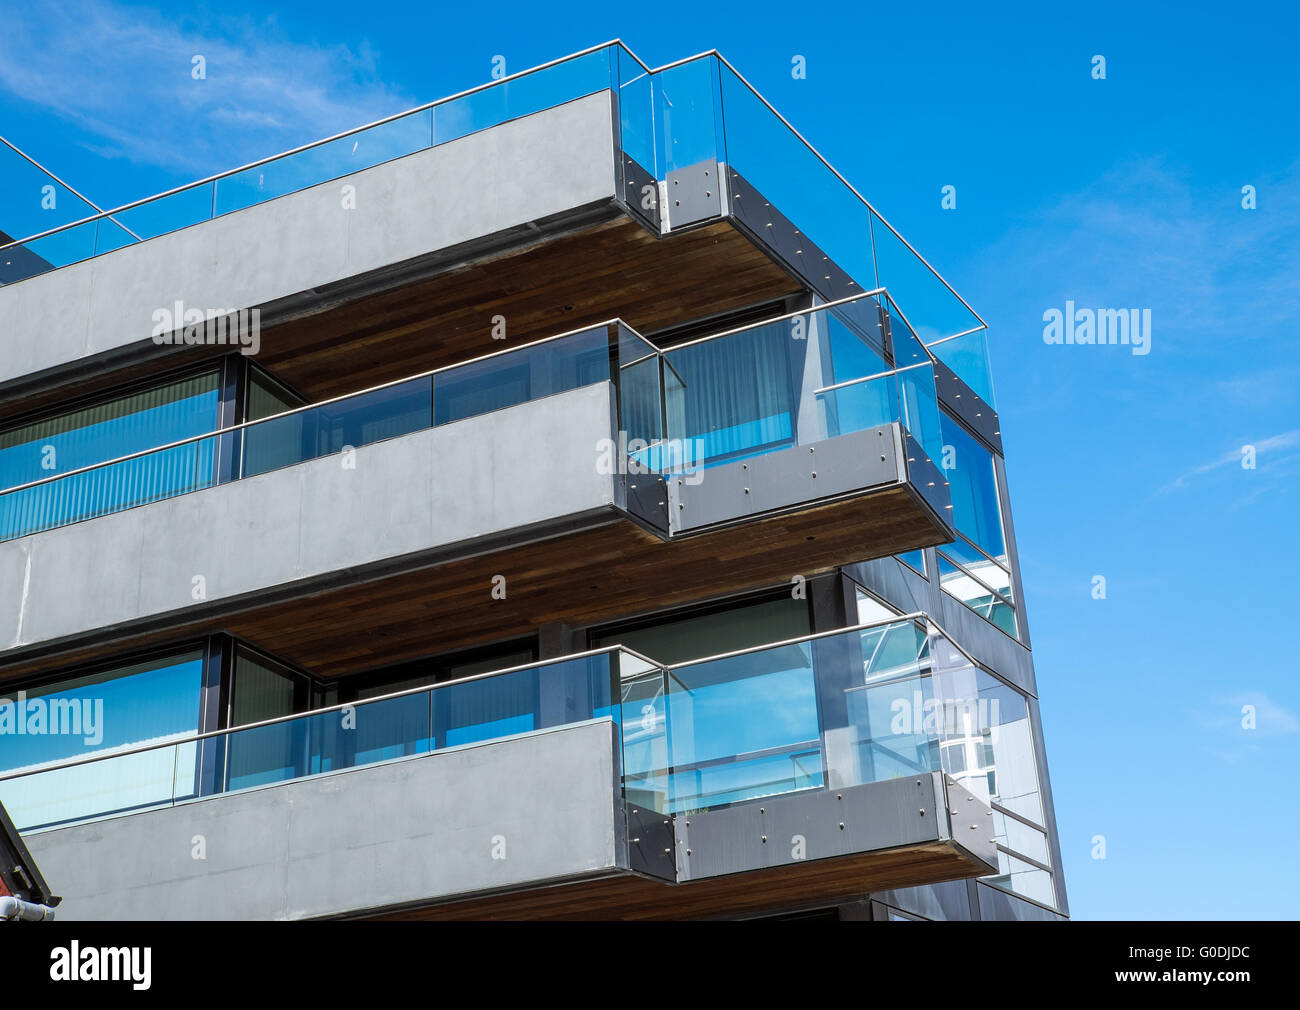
1123,192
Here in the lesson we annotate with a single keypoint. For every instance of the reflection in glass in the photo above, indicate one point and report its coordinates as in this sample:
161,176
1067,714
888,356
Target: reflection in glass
147,702
105,431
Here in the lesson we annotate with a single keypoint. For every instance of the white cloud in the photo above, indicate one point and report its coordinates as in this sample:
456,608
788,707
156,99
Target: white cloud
1233,457
123,74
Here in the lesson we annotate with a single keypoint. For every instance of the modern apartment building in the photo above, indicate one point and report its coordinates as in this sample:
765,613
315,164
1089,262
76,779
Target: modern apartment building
568,499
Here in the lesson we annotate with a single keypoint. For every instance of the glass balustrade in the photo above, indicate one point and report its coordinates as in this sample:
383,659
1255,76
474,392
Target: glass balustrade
868,704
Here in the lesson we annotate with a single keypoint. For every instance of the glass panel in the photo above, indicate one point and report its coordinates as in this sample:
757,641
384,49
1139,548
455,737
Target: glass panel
644,723
529,373
793,381
931,307
553,695
892,729
1024,879
772,159
329,741
319,431
736,394
870,609
1019,836
33,201
845,709
37,202
961,584
105,431
968,356
563,82
993,575
640,398
974,488
916,388
744,727
914,559
164,214
322,163
635,101
132,706
991,721
687,115
110,488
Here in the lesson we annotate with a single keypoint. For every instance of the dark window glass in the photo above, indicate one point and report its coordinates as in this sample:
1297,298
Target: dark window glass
694,636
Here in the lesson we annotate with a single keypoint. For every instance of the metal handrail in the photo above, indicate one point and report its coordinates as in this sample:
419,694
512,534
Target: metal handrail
776,319
867,203
80,196
618,43
338,136
342,706
615,321
667,670
315,406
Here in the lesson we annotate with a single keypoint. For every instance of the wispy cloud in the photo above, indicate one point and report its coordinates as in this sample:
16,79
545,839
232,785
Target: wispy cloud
1234,458
1252,715
122,74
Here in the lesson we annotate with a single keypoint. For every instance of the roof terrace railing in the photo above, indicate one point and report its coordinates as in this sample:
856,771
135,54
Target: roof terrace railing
683,113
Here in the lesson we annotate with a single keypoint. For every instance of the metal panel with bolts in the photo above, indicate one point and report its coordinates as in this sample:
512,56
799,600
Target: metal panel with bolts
694,194
786,478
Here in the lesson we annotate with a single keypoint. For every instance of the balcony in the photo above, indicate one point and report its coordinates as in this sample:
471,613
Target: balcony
689,204
593,459
597,785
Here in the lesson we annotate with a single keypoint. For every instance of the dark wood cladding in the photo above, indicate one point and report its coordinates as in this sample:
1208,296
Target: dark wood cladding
626,896
591,576
606,270
613,269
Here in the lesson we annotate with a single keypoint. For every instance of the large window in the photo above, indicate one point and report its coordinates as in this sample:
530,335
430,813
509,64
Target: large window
974,567
92,434
151,701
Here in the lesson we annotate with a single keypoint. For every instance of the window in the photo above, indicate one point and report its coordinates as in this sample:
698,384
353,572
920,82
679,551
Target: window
974,567
914,560
169,412
150,701
973,484
678,639
871,609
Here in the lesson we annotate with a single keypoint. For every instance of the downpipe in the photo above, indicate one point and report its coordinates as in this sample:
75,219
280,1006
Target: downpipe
15,909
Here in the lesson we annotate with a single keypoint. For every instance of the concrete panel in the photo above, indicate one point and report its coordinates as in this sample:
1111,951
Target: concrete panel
14,572
510,813
428,491
526,170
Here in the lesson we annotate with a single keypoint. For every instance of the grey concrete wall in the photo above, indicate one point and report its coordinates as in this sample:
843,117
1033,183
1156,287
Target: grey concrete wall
503,177
418,829
503,471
